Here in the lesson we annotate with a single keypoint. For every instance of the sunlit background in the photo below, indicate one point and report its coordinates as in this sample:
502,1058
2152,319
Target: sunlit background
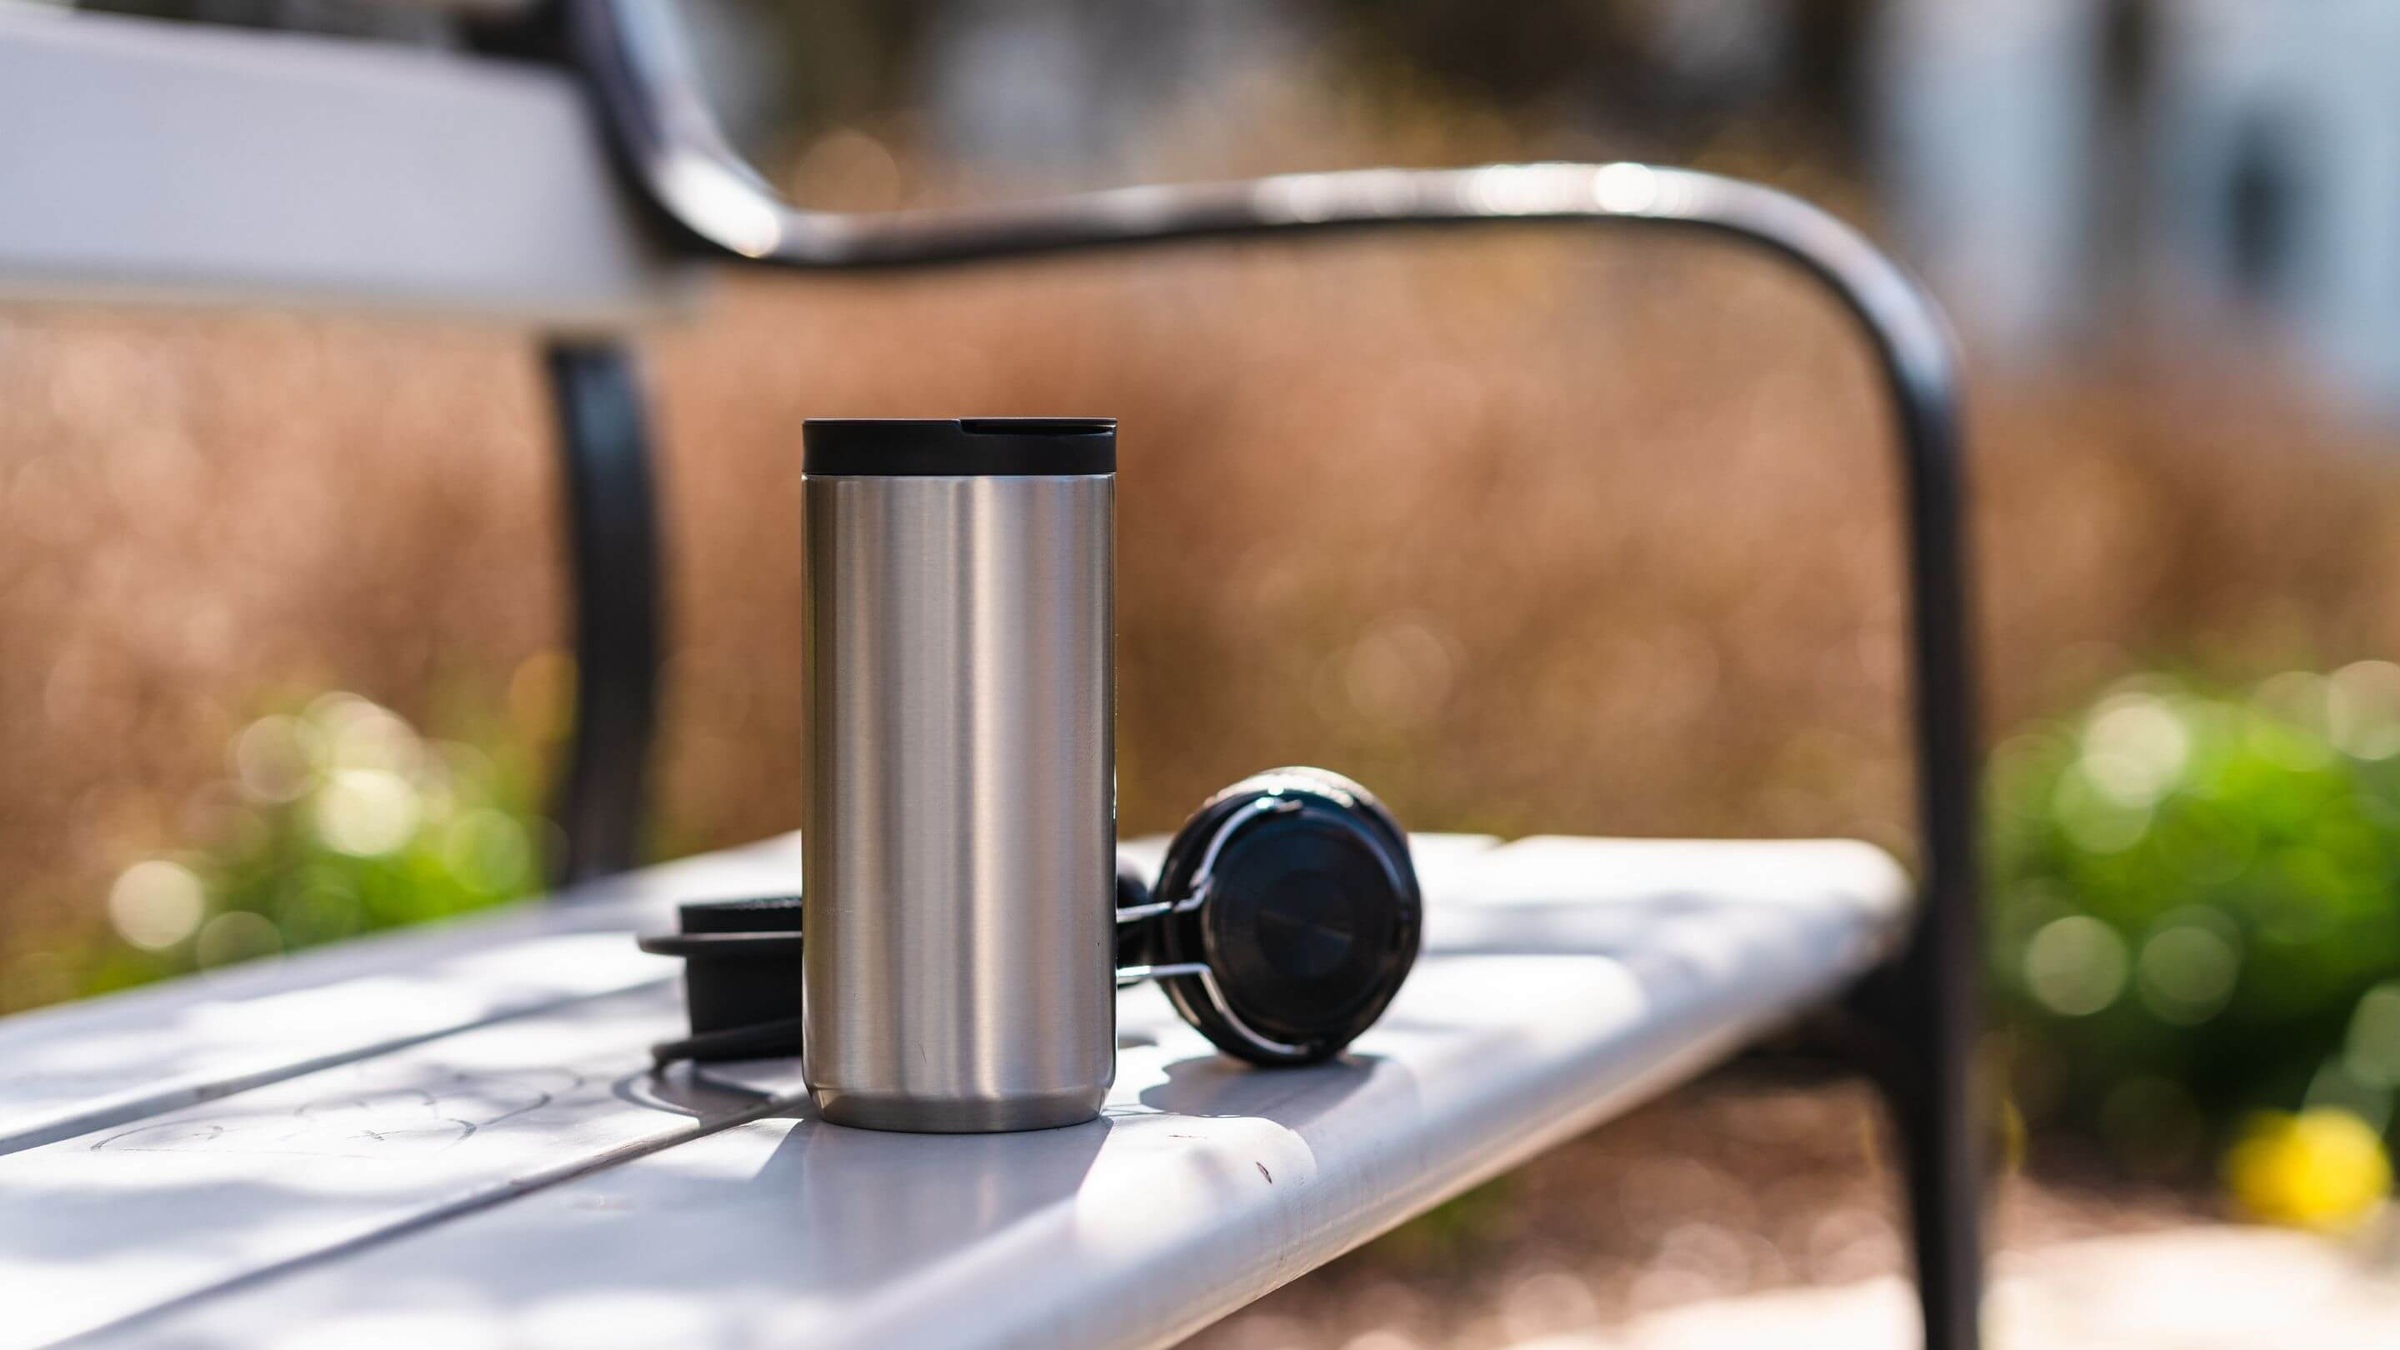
1536,533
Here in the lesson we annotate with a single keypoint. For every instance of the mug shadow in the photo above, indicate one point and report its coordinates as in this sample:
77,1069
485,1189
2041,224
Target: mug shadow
1215,1086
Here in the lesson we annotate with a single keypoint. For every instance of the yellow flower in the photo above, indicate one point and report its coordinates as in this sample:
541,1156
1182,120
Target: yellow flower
2323,1169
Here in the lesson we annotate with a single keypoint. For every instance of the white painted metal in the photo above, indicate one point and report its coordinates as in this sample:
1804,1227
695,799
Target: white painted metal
84,1066
1563,980
133,1217
153,162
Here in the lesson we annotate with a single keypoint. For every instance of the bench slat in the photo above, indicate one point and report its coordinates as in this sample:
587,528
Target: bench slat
1563,980
137,1216
85,1066
157,162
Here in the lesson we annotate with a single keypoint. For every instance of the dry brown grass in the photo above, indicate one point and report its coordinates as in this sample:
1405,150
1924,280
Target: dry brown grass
1529,533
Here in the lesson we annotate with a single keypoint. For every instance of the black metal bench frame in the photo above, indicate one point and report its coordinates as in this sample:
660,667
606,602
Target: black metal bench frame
1918,1011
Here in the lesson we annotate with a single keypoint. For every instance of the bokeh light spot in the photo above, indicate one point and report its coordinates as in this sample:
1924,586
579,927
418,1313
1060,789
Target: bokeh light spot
2363,709
1398,674
2093,819
488,852
156,904
2186,972
366,813
359,734
2076,965
2134,747
236,936
274,758
2372,1051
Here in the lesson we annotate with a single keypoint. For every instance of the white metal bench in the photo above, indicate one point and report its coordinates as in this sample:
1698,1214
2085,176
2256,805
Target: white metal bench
455,1134
454,1126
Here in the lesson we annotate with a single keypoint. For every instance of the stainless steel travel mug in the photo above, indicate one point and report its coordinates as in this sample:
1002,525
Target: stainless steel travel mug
960,844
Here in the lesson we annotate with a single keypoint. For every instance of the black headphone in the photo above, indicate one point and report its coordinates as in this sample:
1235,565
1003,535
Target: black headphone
1284,917
1282,921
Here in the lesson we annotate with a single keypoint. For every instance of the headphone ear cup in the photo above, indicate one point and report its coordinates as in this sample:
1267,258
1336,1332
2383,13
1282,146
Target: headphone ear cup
1341,785
1137,943
1311,921
1178,937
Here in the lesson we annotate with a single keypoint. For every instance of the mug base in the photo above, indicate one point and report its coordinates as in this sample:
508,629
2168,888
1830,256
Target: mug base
970,1115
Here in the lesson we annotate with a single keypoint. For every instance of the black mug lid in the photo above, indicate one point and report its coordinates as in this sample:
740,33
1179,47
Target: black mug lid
958,447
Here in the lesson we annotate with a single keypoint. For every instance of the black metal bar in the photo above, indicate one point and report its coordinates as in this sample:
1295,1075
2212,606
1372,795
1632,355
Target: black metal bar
1925,1000
613,545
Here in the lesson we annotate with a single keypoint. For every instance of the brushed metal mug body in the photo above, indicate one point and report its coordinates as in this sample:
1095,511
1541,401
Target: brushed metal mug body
960,842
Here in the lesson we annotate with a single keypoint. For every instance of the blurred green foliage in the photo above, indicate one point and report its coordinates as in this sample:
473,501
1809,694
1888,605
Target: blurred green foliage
2196,909
1447,1233
333,820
